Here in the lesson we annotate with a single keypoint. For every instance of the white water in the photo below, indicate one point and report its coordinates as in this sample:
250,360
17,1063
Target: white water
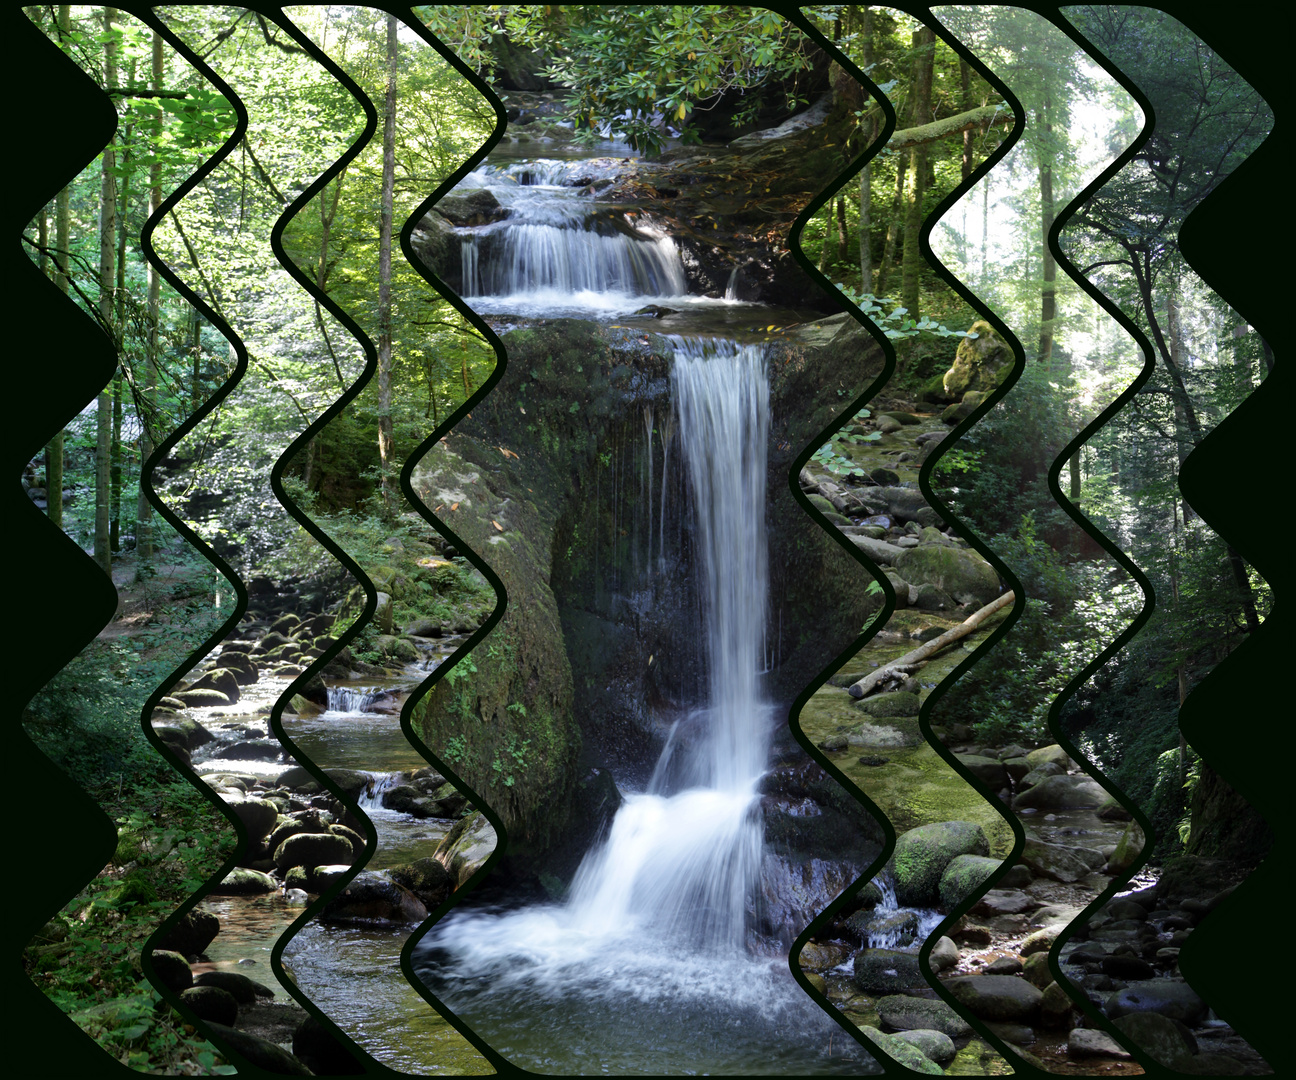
657,913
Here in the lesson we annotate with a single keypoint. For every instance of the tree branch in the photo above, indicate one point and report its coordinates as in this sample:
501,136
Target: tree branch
951,125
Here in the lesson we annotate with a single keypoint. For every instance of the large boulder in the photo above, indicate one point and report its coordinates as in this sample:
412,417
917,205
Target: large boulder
194,931
312,849
245,882
963,876
883,971
257,815
260,1052
1171,998
902,1051
466,847
997,997
959,572
900,1012
922,854
470,208
980,363
375,898
211,1003
1062,793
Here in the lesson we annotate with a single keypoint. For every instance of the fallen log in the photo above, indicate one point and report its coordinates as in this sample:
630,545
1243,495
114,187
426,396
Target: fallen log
861,688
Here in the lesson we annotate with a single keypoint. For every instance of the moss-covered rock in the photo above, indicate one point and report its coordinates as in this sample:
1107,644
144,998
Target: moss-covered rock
922,854
962,574
963,876
980,363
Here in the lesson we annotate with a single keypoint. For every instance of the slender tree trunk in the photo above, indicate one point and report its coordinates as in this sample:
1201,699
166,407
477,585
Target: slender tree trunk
825,249
1048,296
62,227
843,240
1241,362
894,224
107,260
924,44
965,81
386,449
143,510
866,174
115,452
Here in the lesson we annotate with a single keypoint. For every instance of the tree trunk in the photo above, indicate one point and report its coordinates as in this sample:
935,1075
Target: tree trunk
965,81
825,249
386,450
866,174
843,240
62,226
107,259
1048,296
924,44
148,403
894,224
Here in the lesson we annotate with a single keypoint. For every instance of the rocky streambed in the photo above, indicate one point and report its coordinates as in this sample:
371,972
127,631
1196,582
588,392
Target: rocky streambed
302,837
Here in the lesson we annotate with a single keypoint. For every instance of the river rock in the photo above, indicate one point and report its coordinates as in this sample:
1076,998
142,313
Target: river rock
258,815
922,854
1053,753
900,1012
321,1052
902,1051
1054,861
934,1044
260,1052
1162,1039
1090,1043
932,598
200,699
1003,901
1128,849
879,551
988,770
312,849
211,1003
470,208
192,934
997,997
944,954
980,363
1035,969
1056,1007
1036,775
222,679
964,875
961,573
374,897
172,969
897,703
244,990
466,847
1061,793
883,971
1168,997
244,882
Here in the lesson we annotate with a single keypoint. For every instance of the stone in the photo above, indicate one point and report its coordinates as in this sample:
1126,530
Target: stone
172,969
244,990
980,362
1127,967
260,1052
1051,753
1054,861
320,1051
1003,965
1061,793
883,971
900,1012
962,574
1166,1042
192,934
470,208
816,957
965,875
944,954
1019,876
211,1003
257,815
1090,1043
1128,849
922,854
1036,970
312,849
901,1051
932,598
934,1045
897,703
244,882
466,847
1004,902
1169,997
425,878
222,679
997,997
1055,1007
372,897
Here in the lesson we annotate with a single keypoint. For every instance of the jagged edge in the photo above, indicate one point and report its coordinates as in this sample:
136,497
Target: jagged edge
72,89
1006,1050
1149,368
499,1063
1215,442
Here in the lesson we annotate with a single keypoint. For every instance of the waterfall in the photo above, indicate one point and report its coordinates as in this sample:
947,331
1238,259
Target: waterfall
683,865
379,784
352,698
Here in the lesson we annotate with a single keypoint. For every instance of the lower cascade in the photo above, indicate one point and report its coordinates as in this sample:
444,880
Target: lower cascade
644,968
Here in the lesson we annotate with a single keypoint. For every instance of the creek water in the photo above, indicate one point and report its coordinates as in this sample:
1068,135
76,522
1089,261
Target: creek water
644,967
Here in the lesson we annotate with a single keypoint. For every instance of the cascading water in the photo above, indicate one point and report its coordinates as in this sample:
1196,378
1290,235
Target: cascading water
645,968
557,251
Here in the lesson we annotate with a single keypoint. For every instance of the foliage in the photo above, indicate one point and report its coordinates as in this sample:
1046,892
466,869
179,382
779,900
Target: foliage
640,70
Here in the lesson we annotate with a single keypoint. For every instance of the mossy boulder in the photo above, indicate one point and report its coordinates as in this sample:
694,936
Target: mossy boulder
883,706
922,855
980,363
903,1051
312,849
963,574
466,847
965,875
